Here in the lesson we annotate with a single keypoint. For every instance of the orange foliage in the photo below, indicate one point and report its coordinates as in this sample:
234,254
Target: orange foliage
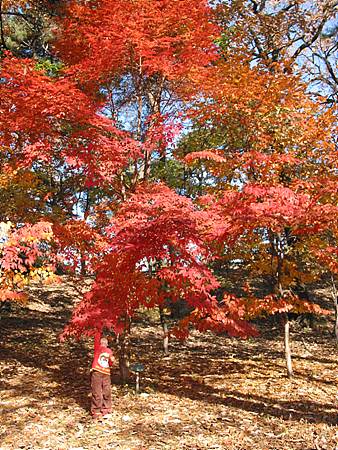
24,258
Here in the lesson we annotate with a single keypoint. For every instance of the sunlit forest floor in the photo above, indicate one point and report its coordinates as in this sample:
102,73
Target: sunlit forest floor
212,392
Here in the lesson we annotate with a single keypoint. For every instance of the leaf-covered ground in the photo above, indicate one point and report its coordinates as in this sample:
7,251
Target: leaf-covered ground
211,393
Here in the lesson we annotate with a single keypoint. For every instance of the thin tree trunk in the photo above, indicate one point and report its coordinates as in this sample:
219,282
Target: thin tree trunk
287,347
86,212
83,269
335,302
336,319
123,348
165,331
285,318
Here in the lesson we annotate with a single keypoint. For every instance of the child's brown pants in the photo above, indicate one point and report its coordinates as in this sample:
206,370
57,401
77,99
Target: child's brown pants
101,393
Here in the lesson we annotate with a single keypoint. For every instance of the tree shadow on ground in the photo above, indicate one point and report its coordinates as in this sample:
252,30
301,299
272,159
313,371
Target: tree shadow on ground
194,362
298,410
34,343
30,340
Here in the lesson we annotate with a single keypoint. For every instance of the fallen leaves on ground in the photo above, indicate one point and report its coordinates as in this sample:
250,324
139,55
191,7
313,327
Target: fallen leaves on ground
212,392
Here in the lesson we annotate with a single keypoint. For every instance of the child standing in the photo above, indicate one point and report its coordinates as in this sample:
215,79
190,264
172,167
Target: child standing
101,404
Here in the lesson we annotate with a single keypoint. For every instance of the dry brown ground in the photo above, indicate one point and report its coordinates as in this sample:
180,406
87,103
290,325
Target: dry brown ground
211,393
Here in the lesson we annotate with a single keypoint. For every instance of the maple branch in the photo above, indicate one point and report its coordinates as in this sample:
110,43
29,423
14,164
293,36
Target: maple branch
29,20
10,13
257,8
261,53
329,67
329,7
307,44
288,7
333,5
137,81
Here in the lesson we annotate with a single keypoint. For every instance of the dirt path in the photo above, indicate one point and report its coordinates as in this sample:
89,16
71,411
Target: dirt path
211,393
